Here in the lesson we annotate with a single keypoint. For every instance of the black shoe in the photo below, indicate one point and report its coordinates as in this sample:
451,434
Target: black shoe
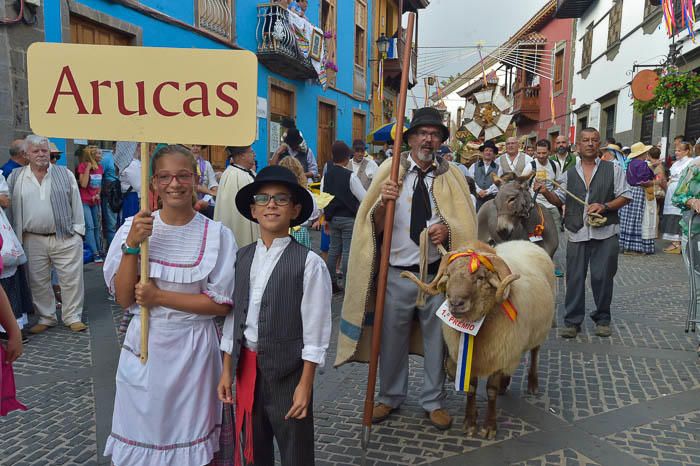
337,288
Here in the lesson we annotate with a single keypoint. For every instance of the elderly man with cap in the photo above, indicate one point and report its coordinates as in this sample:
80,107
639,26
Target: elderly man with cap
482,173
433,207
362,166
514,160
293,145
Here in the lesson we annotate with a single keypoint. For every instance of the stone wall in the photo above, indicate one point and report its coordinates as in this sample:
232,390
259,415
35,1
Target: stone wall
14,40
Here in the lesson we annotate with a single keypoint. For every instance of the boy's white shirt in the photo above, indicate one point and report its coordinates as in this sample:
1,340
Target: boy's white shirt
315,303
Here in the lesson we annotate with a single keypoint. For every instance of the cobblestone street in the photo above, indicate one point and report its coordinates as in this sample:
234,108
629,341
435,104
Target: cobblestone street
633,399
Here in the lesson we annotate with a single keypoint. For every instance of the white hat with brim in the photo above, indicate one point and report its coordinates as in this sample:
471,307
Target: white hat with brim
637,149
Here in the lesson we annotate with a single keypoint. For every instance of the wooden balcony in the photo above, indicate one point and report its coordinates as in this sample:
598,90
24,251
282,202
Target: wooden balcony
572,8
277,44
392,66
526,103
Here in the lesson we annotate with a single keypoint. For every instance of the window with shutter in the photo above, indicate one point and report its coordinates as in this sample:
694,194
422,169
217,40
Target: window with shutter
615,23
559,71
329,24
587,47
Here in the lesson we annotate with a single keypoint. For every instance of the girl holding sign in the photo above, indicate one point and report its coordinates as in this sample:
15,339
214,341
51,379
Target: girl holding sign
166,411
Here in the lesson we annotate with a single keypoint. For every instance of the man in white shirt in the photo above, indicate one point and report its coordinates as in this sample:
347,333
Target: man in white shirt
482,172
362,166
514,160
347,191
546,170
432,202
207,185
47,216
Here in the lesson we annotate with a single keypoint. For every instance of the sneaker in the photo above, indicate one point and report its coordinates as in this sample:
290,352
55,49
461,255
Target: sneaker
98,260
380,412
440,419
603,330
558,272
568,332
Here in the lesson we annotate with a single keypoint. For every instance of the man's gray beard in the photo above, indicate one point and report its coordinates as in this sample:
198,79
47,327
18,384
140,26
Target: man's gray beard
426,158
562,150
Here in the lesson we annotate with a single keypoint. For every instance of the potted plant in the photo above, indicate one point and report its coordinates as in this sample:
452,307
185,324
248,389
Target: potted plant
674,89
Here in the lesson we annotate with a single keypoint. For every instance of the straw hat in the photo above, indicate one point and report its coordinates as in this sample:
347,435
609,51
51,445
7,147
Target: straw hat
638,148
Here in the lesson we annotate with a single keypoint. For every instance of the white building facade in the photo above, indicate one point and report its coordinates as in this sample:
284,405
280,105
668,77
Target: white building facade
612,36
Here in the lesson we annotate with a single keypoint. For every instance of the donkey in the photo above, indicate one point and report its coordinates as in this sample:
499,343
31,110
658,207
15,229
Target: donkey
514,215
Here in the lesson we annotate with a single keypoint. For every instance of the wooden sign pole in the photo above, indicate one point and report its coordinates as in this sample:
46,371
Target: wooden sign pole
145,168
386,246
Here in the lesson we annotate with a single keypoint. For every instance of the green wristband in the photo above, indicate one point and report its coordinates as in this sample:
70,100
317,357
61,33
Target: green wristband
129,250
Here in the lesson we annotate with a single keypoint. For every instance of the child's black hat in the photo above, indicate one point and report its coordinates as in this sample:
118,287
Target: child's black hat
274,174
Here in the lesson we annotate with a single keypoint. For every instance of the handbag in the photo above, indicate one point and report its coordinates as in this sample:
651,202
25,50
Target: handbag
649,219
8,391
112,191
11,251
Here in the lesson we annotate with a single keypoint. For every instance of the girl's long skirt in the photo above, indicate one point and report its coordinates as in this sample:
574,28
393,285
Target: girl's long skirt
631,224
166,412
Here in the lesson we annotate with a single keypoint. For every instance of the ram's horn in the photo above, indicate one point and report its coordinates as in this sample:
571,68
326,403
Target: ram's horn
505,277
434,287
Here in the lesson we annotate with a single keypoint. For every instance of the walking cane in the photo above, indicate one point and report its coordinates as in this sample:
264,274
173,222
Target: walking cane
386,246
145,167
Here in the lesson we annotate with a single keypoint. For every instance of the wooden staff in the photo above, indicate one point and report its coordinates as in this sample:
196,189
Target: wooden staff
386,244
145,166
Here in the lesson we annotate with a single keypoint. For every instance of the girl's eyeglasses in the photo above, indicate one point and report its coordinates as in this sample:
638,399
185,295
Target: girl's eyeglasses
164,178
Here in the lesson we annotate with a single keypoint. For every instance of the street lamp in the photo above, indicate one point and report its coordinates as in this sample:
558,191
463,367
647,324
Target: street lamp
383,46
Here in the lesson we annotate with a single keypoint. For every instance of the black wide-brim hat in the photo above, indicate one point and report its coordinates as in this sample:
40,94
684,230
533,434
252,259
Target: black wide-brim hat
275,174
427,116
490,144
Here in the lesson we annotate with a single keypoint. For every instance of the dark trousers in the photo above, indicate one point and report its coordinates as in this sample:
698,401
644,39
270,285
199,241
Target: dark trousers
295,437
602,257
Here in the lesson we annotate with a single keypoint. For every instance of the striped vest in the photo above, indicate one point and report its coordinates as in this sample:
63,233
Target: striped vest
280,329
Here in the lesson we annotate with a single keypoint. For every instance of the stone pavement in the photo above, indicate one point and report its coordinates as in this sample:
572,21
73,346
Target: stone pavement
633,399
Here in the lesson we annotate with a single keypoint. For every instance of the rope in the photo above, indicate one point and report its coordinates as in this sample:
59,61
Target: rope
593,219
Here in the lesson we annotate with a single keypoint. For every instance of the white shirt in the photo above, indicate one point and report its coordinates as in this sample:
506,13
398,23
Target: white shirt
493,189
512,164
37,217
370,170
404,252
315,303
130,177
549,175
356,187
4,188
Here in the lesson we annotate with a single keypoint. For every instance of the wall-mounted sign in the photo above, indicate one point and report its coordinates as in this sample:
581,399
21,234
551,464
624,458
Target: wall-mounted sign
142,93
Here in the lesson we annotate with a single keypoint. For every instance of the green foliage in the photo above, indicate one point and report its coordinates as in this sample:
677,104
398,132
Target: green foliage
675,89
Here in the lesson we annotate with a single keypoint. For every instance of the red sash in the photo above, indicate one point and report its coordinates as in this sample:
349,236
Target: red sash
245,396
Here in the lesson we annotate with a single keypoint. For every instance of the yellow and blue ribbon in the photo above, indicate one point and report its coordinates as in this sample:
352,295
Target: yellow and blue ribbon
464,362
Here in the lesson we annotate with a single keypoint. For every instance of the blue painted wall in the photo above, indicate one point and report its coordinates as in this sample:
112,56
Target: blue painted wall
157,33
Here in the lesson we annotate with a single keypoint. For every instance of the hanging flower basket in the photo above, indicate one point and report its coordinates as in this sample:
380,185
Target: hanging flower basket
675,89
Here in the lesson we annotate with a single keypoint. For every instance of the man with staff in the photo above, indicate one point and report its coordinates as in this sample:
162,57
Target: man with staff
433,207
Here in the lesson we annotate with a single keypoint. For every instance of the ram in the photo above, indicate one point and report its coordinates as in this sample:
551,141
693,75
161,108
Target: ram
477,280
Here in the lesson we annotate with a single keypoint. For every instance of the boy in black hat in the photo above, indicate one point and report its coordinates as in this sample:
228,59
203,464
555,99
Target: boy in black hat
280,328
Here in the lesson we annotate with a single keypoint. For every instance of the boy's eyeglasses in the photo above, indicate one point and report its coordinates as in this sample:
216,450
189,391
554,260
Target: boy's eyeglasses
164,178
264,199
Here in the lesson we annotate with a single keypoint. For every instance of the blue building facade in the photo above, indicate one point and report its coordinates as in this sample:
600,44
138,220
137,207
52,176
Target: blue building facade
339,112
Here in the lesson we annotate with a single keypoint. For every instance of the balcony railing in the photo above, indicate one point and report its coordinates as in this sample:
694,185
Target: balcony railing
216,16
526,102
393,66
278,49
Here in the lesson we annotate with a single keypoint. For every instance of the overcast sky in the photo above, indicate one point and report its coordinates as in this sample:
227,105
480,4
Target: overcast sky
460,23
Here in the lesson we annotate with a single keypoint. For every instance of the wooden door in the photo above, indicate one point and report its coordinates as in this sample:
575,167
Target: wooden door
84,31
358,126
281,103
326,134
